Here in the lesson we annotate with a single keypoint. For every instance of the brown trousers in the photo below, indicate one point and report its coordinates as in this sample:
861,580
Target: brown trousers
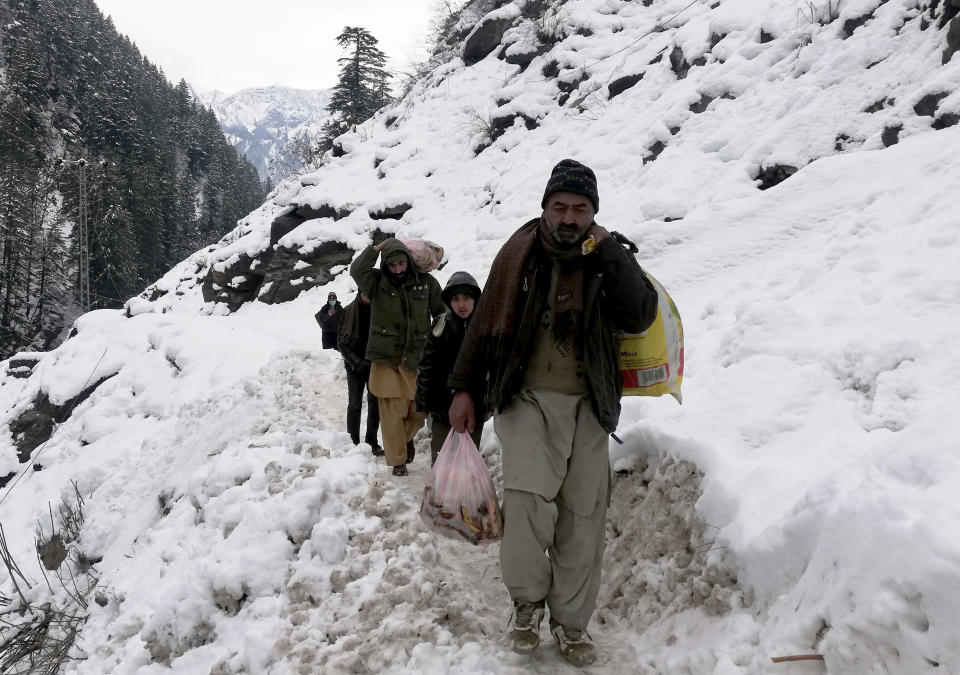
399,422
395,388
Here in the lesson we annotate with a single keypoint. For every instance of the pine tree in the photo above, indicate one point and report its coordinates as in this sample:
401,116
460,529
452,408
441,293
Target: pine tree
162,181
362,86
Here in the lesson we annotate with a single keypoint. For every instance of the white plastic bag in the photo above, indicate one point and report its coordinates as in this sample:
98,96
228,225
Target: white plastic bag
459,500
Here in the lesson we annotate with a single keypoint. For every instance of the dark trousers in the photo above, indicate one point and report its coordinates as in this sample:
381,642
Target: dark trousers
329,340
355,386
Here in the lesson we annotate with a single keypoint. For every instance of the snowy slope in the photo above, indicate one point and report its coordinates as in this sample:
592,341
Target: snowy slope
260,121
802,500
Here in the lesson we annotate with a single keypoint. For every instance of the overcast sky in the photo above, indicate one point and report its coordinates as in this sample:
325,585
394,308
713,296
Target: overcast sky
234,44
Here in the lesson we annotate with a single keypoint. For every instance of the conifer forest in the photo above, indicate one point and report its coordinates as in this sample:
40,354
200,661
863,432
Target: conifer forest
95,140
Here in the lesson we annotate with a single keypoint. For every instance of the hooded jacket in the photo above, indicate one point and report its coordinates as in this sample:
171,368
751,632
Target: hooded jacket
401,308
440,354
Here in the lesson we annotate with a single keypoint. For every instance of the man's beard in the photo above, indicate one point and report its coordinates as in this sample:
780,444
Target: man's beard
568,235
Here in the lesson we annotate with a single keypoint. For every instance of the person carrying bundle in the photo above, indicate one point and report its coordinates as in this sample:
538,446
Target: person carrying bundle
403,302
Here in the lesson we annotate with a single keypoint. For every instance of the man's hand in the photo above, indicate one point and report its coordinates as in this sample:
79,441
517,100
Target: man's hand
462,415
379,247
599,233
330,311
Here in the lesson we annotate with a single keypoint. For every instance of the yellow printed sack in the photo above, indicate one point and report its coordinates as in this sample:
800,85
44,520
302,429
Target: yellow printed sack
651,362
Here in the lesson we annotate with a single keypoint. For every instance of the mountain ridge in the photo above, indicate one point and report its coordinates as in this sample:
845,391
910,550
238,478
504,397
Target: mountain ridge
261,121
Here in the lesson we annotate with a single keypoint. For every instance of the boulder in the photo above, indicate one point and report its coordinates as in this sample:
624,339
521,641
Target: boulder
394,212
621,84
953,39
770,176
928,104
700,105
850,25
526,58
891,135
35,425
946,120
485,37
500,124
879,105
678,64
234,284
290,271
21,365
654,151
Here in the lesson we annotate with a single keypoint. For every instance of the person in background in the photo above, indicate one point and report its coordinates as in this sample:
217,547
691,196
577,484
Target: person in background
403,303
440,353
352,335
329,320
544,340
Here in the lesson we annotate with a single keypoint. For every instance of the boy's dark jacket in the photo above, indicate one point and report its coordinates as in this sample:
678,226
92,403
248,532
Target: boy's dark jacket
440,354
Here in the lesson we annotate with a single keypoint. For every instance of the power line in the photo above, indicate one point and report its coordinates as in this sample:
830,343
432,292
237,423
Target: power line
13,136
40,138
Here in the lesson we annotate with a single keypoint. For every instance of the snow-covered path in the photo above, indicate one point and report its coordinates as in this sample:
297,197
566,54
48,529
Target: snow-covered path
469,601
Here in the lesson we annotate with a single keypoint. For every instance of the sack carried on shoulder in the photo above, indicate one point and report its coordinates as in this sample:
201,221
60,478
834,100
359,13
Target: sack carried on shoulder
426,255
459,500
651,362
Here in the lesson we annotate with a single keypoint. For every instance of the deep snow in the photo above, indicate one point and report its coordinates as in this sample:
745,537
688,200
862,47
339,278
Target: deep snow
802,500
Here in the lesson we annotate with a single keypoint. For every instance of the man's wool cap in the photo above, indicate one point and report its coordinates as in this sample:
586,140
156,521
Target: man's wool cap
569,175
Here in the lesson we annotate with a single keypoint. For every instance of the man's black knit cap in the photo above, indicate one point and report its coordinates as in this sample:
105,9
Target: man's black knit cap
570,175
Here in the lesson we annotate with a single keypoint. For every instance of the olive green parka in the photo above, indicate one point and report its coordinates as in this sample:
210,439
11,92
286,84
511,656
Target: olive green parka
402,308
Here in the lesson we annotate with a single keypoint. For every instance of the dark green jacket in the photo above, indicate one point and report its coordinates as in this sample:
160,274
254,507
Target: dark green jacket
401,311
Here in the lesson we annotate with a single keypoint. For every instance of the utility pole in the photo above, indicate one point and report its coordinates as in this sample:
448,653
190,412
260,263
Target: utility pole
83,234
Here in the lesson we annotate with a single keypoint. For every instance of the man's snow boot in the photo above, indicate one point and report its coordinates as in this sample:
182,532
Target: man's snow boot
525,626
575,645
400,470
376,450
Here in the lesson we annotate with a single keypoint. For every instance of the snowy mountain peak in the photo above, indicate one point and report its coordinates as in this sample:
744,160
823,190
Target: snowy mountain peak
260,121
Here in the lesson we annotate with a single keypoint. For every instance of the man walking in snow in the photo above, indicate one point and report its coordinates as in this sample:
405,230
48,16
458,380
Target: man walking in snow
352,336
403,302
329,319
544,340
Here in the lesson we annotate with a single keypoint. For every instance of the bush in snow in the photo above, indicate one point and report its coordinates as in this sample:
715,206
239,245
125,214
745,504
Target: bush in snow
39,623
